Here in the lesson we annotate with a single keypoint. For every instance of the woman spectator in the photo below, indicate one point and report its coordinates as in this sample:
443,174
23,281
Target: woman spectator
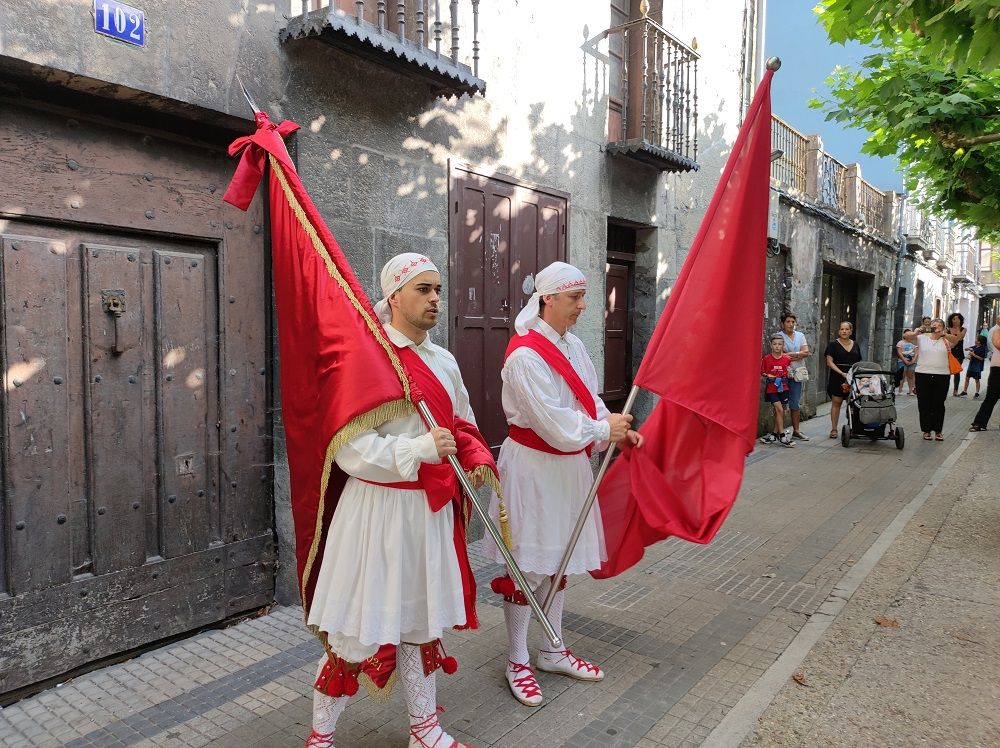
955,327
841,354
933,375
907,354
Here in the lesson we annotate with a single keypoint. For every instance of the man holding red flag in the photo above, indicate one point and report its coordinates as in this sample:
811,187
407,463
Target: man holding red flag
394,570
556,418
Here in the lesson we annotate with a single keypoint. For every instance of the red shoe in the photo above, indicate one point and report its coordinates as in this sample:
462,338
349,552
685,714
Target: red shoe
319,740
521,679
565,662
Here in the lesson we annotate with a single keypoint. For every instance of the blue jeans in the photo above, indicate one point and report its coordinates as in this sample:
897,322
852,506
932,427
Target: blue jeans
794,393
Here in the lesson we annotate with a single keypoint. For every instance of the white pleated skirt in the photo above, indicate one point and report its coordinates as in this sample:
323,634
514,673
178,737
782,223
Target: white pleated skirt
389,572
544,495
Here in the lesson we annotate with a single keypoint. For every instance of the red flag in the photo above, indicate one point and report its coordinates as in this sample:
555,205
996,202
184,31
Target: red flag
340,373
704,362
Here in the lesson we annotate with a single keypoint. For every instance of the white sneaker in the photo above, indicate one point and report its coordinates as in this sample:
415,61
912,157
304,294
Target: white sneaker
784,441
768,439
521,679
565,662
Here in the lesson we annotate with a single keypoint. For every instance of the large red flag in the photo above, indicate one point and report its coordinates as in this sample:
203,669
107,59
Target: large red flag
704,362
340,374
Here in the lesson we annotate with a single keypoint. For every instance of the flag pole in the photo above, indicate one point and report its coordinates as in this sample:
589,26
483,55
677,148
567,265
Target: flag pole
585,512
508,558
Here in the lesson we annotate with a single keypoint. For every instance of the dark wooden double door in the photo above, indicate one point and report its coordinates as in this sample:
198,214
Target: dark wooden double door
502,231
136,498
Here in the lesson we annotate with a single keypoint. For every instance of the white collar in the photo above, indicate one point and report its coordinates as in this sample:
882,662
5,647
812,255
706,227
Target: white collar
399,339
549,332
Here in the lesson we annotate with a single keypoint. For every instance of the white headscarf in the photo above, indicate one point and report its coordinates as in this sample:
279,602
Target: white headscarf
396,273
556,278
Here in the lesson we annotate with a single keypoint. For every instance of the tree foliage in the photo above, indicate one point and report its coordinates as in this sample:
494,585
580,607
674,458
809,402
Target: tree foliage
962,34
930,96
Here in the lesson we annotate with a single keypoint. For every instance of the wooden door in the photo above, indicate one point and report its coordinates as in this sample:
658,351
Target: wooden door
617,332
500,231
134,419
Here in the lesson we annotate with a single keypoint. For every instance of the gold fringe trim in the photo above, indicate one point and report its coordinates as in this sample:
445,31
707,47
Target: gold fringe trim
358,425
376,694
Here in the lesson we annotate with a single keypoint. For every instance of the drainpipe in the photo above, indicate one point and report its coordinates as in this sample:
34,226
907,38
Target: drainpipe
761,18
899,264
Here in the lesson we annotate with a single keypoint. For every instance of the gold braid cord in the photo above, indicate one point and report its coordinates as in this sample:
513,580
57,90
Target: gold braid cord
490,479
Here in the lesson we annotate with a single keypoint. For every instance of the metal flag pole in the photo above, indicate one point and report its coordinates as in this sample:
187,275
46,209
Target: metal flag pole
512,566
585,512
247,96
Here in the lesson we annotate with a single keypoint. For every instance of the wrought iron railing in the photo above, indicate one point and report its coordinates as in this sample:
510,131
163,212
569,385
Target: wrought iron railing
872,206
424,30
659,81
790,169
832,182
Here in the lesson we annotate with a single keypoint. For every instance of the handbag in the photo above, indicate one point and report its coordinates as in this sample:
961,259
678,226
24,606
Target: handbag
800,374
954,365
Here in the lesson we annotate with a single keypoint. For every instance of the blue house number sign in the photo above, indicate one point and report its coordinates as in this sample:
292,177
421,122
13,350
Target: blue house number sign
120,21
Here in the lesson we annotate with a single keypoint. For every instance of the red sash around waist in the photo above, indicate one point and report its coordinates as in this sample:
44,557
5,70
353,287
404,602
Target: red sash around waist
529,438
413,485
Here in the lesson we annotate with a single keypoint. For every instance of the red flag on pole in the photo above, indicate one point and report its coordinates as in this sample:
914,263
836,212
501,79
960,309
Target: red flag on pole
703,360
340,373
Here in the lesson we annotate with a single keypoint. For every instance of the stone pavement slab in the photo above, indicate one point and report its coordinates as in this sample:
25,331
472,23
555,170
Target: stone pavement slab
682,636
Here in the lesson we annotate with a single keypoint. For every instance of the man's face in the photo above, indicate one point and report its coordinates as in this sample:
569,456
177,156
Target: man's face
788,324
416,303
926,323
563,309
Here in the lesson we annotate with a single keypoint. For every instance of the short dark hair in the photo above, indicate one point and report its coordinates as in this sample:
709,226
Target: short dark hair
786,315
961,319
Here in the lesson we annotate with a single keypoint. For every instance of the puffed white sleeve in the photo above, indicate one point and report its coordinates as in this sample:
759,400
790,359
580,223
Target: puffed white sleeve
385,458
529,383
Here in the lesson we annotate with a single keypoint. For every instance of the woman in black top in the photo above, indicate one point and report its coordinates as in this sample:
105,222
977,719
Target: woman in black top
954,327
841,355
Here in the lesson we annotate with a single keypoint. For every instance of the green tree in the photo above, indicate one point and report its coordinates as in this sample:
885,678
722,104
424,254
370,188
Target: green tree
929,95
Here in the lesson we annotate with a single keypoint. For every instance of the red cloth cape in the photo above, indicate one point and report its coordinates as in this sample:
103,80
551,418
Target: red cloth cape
703,361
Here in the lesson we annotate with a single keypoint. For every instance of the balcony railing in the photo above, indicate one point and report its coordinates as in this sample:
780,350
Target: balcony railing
411,36
871,205
790,169
918,229
659,84
832,183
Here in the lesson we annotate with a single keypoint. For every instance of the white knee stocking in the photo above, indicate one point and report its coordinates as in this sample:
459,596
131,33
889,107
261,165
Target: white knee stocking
517,618
420,692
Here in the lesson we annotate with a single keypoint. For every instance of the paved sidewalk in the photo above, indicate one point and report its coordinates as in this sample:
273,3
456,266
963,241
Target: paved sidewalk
683,637
914,658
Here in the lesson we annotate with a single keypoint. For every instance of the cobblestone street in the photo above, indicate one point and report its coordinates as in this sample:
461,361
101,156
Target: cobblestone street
683,637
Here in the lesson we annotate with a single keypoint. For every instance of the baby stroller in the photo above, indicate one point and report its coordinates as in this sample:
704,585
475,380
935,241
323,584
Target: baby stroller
871,405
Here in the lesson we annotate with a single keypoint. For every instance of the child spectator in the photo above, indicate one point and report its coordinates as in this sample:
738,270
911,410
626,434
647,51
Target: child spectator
774,368
977,359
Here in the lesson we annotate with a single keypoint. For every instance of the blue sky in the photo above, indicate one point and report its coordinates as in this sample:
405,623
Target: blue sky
807,57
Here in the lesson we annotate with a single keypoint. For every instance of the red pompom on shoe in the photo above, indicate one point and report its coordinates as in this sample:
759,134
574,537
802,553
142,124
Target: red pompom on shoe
503,586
